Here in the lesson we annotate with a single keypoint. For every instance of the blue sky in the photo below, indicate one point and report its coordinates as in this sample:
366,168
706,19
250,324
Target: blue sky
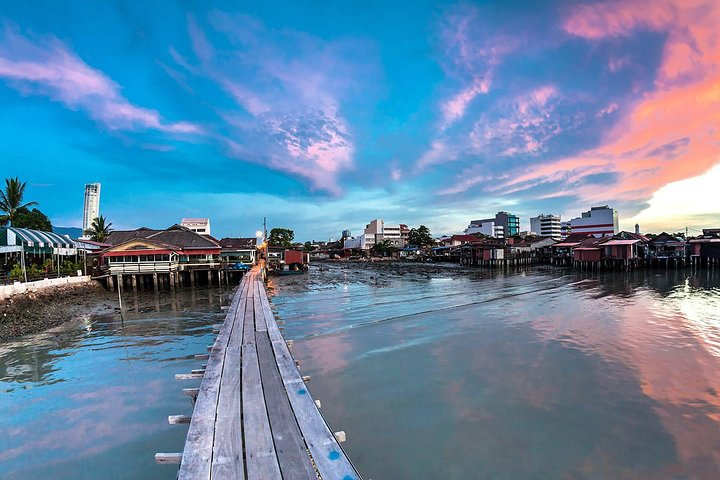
324,115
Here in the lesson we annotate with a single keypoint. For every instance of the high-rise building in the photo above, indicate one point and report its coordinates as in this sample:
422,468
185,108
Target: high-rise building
503,225
91,207
599,221
546,226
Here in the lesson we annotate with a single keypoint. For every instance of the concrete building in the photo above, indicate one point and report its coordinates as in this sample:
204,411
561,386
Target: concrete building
91,207
564,229
599,221
197,225
377,231
504,224
356,242
486,227
546,226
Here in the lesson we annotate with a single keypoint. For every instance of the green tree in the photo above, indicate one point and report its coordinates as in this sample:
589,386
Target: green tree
384,248
309,246
420,237
11,199
281,237
33,219
99,229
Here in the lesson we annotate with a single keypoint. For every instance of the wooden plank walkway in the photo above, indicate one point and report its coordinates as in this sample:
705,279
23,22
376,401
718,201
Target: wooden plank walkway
254,417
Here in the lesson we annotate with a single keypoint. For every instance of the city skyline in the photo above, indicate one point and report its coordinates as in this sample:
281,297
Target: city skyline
322,117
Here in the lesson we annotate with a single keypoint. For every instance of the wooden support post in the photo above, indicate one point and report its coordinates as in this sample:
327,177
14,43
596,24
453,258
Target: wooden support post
171,281
191,392
111,283
155,282
340,436
202,356
318,404
133,282
187,376
168,458
178,419
209,278
197,371
306,378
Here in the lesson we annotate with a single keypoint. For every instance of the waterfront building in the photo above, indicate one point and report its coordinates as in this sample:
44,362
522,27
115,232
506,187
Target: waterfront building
599,221
546,226
346,234
504,225
197,225
458,240
665,245
533,245
178,254
238,250
706,248
91,206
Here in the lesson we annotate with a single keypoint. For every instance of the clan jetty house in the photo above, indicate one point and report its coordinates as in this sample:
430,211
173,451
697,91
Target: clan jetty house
176,256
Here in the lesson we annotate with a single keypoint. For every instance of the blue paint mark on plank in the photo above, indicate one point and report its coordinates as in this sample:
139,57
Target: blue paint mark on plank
302,391
334,455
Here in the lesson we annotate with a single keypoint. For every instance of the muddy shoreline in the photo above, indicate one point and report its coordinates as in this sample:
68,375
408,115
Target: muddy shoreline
33,312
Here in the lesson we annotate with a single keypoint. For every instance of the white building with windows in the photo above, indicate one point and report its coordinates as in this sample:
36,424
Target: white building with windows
91,206
546,226
377,231
599,221
197,225
486,227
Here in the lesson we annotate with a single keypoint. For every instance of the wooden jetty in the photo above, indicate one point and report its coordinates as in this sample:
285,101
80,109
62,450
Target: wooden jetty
253,415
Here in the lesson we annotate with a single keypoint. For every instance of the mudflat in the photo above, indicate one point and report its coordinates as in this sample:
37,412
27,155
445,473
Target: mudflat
33,312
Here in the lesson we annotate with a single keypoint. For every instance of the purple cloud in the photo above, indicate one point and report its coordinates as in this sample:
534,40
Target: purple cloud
290,99
45,66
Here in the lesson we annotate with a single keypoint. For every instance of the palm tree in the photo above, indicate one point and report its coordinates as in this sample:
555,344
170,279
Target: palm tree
98,230
11,199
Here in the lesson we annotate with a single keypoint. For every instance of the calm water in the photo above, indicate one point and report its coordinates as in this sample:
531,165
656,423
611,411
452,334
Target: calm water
90,400
537,375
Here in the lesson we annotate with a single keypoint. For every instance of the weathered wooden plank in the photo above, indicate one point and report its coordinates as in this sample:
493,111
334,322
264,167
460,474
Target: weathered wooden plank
163,458
249,320
289,444
178,419
227,459
260,456
197,454
330,459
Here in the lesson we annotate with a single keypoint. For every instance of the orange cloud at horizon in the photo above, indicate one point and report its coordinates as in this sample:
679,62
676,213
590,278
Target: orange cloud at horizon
670,133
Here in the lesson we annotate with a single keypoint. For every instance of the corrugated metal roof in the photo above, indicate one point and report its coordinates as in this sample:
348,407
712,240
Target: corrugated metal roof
566,244
37,238
620,242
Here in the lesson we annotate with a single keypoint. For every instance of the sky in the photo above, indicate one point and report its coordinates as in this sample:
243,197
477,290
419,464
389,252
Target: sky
322,116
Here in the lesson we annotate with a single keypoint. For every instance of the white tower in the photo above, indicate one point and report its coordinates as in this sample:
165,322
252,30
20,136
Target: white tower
91,209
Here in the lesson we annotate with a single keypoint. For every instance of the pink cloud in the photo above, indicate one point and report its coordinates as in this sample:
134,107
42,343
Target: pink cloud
294,127
644,150
454,108
47,67
468,56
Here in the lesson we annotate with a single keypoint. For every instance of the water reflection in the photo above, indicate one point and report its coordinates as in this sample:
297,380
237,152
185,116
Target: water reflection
90,399
549,374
